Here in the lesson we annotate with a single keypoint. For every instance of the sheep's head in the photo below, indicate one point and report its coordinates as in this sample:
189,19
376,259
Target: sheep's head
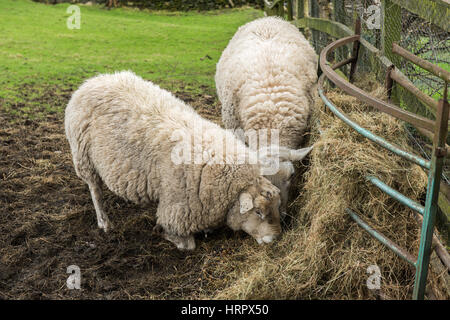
284,170
257,211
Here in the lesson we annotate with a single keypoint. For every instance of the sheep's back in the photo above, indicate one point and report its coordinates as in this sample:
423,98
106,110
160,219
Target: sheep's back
266,73
118,127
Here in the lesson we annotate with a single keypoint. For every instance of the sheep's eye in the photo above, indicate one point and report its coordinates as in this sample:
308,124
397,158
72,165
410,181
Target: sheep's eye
259,213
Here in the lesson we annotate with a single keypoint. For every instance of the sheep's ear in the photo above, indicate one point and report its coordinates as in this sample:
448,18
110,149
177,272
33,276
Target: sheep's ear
297,155
245,202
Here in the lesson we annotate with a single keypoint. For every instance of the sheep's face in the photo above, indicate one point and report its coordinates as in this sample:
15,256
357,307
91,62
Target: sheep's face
282,178
257,211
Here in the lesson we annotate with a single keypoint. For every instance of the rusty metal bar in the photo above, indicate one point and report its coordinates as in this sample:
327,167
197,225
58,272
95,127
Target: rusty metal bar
342,63
445,91
430,136
434,69
355,52
408,85
435,165
402,253
438,247
362,95
441,252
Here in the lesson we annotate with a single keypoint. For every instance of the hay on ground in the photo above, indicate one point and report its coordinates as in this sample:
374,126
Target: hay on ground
325,254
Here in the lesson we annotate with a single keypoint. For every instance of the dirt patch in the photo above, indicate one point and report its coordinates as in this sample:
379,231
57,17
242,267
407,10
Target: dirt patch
36,102
48,223
206,105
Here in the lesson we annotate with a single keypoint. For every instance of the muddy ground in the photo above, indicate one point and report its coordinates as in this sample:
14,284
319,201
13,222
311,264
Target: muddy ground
48,223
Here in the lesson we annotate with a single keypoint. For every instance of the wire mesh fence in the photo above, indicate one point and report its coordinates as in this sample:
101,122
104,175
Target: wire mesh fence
417,35
382,24
430,43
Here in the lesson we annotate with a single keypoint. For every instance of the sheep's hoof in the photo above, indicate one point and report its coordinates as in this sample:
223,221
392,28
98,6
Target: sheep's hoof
105,225
188,244
158,230
182,243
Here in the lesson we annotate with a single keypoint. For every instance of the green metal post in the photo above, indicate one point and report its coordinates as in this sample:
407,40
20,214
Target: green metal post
431,204
290,15
300,9
280,6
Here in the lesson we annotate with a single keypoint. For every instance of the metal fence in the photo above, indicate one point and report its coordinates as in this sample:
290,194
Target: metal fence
420,26
424,32
383,29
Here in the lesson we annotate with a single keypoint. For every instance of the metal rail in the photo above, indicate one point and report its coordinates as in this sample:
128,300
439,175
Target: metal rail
363,96
402,253
439,129
396,195
401,79
432,68
368,134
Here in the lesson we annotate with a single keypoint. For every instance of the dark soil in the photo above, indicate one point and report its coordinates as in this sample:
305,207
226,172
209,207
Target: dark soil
48,223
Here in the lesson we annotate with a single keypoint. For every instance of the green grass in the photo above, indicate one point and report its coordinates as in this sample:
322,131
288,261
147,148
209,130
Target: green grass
38,51
443,56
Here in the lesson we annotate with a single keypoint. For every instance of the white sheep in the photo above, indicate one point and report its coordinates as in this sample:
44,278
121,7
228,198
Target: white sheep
265,79
127,132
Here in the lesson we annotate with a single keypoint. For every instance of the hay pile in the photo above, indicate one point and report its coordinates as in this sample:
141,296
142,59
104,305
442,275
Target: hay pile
324,254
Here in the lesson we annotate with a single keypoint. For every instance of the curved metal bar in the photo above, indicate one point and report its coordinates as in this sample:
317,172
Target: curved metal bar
369,135
397,195
362,95
343,63
380,237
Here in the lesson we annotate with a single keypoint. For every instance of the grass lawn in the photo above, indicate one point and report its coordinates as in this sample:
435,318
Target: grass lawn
41,59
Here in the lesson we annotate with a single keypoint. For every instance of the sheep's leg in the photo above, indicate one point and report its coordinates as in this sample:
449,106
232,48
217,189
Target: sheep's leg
96,194
181,242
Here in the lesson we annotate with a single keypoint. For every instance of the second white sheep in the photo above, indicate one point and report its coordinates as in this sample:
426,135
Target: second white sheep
264,80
